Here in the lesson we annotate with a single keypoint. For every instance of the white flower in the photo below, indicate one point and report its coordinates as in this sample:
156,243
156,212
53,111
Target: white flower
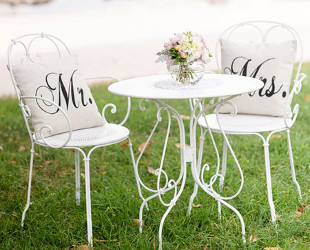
206,57
185,46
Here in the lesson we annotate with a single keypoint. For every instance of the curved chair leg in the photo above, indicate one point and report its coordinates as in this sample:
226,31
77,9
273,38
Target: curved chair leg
88,203
292,162
32,151
268,178
77,177
194,194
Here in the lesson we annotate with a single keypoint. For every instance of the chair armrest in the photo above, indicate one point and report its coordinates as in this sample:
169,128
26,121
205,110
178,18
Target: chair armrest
27,115
111,105
298,82
114,109
295,90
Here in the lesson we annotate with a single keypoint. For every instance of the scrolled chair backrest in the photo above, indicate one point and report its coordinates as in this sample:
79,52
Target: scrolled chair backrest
51,90
264,32
22,50
27,44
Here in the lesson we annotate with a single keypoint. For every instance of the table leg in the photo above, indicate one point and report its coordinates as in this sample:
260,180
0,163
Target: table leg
198,174
187,154
170,184
200,151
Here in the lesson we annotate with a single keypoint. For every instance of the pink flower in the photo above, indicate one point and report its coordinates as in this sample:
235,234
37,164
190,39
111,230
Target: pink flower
167,46
176,38
183,54
173,40
186,47
204,45
169,62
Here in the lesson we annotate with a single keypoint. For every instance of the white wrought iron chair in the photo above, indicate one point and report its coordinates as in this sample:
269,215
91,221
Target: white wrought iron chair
247,124
90,137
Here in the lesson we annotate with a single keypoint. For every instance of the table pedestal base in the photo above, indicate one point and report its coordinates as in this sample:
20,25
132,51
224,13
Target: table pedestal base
188,154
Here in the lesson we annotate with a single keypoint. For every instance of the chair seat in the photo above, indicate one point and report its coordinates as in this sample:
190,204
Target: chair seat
103,135
244,123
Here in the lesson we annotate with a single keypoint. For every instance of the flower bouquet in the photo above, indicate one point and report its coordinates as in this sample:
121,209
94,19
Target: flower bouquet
185,55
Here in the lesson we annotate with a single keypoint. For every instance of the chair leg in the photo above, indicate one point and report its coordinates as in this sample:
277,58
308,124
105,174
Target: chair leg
32,151
77,177
268,178
292,162
88,203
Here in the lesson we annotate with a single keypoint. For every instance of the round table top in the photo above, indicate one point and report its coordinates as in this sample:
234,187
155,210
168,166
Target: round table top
163,87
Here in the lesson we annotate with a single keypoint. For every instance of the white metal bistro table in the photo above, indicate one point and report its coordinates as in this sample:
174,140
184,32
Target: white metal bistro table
160,88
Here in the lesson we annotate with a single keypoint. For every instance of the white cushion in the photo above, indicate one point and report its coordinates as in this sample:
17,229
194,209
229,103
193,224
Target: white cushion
104,135
61,82
244,123
271,62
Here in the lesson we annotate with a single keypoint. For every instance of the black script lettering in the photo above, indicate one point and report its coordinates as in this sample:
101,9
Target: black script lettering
81,92
66,94
271,90
243,71
56,89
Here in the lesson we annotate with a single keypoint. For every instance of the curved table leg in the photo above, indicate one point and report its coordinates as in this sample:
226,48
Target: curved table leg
194,194
187,154
170,185
199,175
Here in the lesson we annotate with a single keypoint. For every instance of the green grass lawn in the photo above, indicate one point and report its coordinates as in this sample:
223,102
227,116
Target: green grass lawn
53,221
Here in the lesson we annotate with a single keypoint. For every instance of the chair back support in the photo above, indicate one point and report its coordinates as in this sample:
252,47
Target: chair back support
32,48
261,31
35,48
26,49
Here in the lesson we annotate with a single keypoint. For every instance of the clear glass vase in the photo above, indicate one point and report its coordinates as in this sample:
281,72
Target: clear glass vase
187,73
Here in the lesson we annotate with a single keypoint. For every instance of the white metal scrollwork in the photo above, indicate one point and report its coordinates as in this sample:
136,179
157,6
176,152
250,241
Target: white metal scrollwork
198,172
265,30
164,184
26,42
47,127
112,106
